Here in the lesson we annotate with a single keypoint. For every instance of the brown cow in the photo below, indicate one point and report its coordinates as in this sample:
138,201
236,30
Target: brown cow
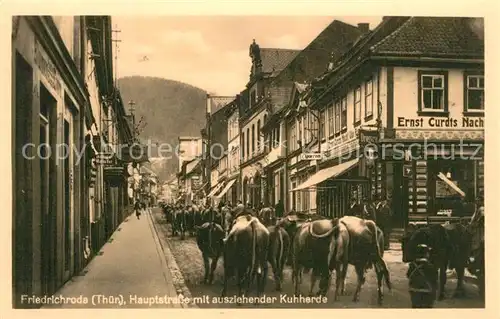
279,246
364,250
310,251
246,253
209,238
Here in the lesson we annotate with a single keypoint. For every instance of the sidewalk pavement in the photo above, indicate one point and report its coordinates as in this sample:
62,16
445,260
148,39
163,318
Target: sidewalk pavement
131,272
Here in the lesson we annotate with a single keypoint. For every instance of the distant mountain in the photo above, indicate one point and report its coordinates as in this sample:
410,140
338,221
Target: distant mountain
170,109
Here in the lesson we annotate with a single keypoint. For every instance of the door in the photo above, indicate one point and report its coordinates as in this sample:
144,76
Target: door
47,187
399,194
69,204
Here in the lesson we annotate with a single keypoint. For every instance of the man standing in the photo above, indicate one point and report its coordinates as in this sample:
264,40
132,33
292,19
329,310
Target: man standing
384,218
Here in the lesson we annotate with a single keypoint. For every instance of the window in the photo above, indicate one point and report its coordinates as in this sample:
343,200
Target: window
369,98
343,117
248,143
322,126
474,93
433,92
337,117
357,105
292,137
277,136
253,98
259,139
253,140
299,134
331,119
243,144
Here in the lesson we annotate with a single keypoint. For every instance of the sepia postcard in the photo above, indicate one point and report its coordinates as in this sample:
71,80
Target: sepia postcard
248,161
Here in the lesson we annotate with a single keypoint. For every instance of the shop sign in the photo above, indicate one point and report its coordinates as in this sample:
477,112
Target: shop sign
368,137
310,156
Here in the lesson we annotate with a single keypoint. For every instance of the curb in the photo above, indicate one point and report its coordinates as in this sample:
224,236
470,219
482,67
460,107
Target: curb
171,264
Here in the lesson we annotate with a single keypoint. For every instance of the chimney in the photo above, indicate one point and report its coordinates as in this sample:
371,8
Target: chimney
364,27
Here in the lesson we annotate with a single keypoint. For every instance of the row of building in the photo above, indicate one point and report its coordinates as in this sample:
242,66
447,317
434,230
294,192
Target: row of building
66,205
358,113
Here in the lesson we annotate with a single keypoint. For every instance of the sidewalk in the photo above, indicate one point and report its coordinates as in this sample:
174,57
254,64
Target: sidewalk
131,272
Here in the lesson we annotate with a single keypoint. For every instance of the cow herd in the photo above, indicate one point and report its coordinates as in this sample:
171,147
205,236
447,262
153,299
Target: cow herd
248,242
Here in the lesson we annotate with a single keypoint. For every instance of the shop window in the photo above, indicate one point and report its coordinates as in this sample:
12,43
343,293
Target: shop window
446,200
474,93
433,96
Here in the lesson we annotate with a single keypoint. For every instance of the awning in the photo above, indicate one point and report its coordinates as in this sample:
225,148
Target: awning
327,173
228,186
215,189
451,184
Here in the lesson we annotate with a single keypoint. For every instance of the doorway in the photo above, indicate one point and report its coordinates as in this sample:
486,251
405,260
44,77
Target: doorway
69,204
47,186
400,195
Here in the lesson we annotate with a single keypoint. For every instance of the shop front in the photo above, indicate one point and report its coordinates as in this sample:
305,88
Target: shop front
436,176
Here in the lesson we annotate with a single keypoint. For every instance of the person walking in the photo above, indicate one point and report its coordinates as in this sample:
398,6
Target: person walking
137,209
422,279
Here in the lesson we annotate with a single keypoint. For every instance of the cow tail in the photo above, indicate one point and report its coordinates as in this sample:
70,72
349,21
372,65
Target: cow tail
381,261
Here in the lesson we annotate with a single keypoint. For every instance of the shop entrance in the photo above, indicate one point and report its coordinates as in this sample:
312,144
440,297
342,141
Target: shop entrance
399,196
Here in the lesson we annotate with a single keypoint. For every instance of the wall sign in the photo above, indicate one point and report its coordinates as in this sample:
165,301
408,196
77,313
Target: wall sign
47,68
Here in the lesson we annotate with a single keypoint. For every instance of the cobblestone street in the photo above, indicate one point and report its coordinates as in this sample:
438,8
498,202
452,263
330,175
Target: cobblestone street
188,259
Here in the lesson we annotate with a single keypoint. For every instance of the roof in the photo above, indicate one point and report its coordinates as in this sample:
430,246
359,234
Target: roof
218,103
435,36
311,62
275,60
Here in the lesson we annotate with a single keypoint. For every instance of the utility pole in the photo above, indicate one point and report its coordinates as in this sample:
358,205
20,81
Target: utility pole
117,49
208,159
131,104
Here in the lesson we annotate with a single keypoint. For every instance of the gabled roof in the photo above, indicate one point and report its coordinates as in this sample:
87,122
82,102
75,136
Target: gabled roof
218,103
311,62
431,36
275,60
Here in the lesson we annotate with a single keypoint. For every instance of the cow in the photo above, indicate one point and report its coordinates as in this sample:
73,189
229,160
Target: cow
310,250
364,248
209,238
292,222
450,246
279,247
180,221
246,254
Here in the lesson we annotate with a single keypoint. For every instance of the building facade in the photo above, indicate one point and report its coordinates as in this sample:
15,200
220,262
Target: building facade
59,101
392,119
267,63
233,153
287,89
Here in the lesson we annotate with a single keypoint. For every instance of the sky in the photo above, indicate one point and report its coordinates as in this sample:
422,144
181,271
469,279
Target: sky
210,52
